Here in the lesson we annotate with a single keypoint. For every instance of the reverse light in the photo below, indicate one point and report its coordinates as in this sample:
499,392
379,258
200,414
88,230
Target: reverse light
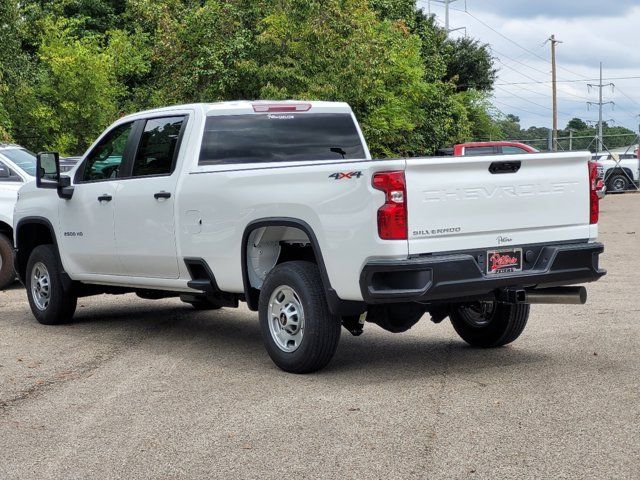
281,107
594,201
392,216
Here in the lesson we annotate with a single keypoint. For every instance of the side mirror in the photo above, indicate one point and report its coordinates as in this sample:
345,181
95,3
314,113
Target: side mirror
47,169
4,172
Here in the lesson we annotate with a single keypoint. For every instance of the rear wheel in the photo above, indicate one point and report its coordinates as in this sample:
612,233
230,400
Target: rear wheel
7,274
617,183
489,324
52,301
299,332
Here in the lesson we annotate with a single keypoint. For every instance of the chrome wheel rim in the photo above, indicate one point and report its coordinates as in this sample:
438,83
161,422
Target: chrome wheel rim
40,286
286,318
479,314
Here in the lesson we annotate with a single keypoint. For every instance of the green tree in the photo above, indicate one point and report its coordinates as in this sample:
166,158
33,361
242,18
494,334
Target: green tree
577,124
72,66
78,89
469,64
509,126
339,50
198,56
13,63
404,10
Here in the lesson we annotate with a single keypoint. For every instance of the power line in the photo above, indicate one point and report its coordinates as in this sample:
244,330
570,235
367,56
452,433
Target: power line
575,80
517,71
512,95
627,96
531,52
627,113
519,109
545,95
516,61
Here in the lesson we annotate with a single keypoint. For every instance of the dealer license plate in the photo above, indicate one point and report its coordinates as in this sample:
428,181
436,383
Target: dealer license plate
504,261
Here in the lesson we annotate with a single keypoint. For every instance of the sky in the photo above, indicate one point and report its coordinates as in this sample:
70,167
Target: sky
591,31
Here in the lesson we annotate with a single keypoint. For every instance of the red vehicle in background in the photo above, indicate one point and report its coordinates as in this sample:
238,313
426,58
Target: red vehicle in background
491,148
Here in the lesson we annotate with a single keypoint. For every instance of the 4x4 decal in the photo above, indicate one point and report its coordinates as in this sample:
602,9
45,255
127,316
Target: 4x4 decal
345,175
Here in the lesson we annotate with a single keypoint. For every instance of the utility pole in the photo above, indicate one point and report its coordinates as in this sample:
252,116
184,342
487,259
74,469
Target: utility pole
554,90
600,104
446,4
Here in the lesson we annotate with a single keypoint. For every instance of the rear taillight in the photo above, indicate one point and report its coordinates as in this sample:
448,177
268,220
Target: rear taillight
594,201
392,216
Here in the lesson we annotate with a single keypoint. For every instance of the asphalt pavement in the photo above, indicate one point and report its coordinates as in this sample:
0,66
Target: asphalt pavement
137,389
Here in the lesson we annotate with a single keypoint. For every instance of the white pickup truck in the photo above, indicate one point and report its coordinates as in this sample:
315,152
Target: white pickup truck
621,171
279,205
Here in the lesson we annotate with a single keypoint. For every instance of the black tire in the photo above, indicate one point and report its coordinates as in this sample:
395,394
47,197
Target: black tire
489,324
320,328
617,183
7,273
62,301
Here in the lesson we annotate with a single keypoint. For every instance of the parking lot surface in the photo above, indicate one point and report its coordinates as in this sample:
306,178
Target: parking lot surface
152,389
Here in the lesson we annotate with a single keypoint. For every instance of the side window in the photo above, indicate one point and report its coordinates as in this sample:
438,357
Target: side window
8,175
105,159
512,150
157,147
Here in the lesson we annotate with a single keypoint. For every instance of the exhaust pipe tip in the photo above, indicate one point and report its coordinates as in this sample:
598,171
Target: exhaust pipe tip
557,296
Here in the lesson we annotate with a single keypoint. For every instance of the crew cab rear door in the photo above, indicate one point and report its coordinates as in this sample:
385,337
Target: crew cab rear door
464,203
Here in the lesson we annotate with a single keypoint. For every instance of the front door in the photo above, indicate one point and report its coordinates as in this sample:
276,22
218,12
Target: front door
87,219
144,213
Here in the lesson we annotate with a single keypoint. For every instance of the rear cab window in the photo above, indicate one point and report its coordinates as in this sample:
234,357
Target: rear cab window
280,137
479,151
158,145
510,150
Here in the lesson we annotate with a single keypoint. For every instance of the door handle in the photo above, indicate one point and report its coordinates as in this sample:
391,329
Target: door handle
105,198
160,195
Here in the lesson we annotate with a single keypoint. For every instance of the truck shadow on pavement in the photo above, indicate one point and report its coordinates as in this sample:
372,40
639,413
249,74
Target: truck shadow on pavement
231,335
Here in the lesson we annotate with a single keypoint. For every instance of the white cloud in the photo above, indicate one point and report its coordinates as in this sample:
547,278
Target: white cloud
588,35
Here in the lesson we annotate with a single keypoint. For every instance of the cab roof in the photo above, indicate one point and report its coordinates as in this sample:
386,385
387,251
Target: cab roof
252,106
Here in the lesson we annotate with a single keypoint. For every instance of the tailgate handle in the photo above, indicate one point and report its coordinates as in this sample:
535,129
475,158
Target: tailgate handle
504,167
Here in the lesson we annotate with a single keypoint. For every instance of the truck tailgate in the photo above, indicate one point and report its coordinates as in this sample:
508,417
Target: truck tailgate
462,203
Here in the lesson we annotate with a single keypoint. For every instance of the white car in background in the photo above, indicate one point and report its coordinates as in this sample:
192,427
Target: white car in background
17,166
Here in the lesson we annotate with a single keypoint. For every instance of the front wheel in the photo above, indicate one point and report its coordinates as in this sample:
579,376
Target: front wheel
489,324
50,299
299,332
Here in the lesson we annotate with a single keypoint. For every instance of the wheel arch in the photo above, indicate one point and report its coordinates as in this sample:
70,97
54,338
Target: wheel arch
618,171
30,233
6,229
336,305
